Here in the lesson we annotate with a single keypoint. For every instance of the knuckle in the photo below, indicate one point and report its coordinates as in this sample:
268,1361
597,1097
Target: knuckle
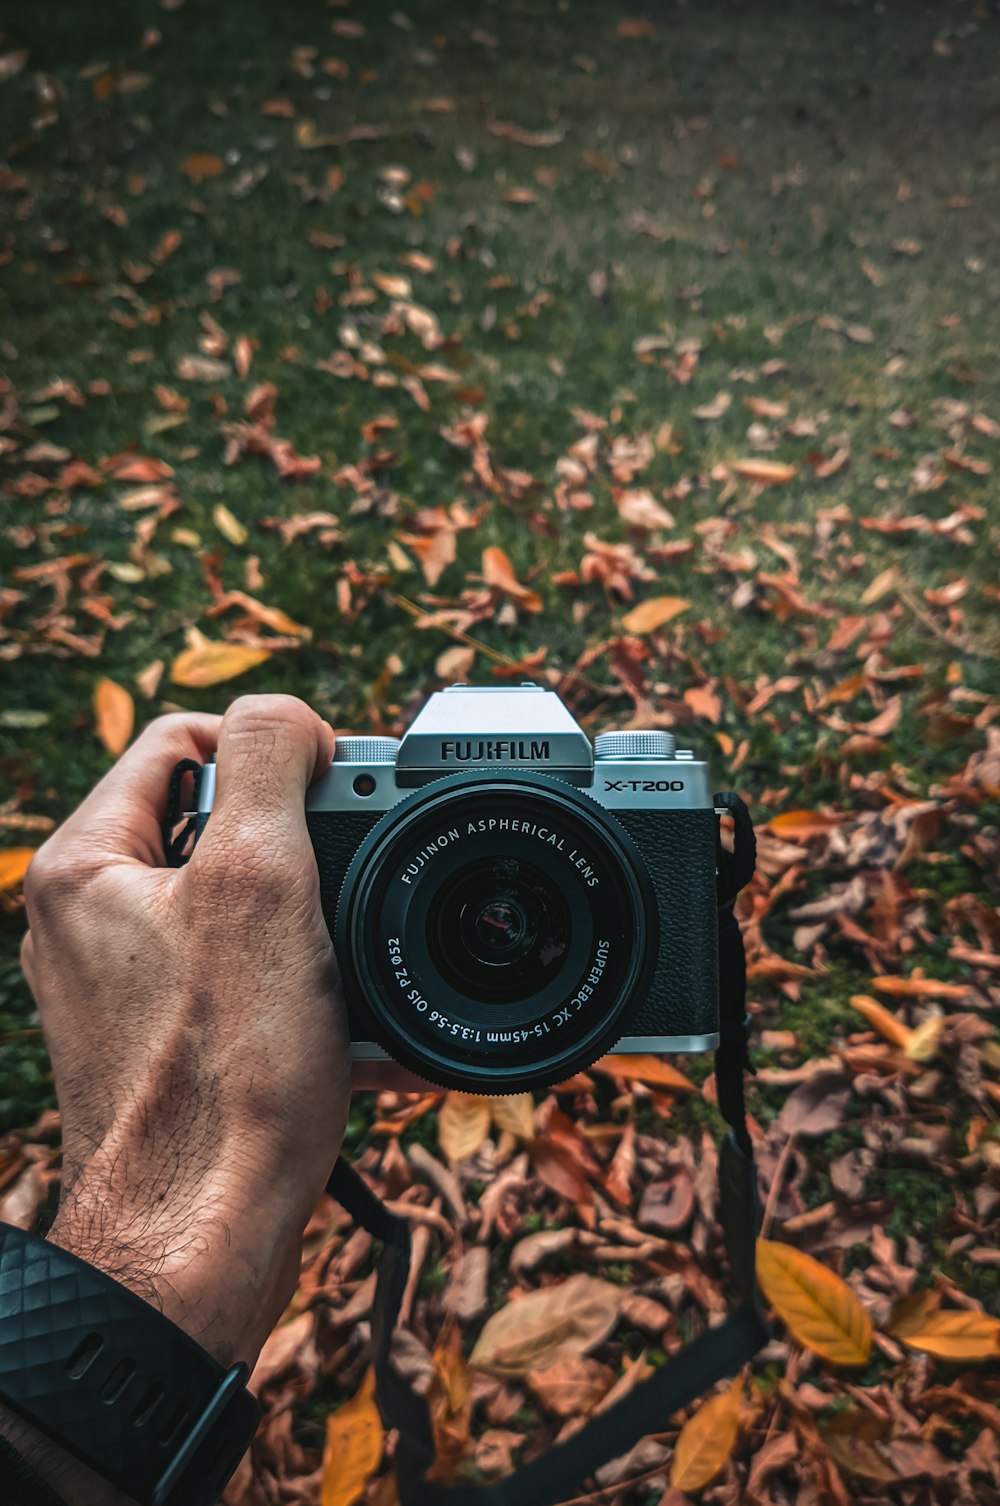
53,877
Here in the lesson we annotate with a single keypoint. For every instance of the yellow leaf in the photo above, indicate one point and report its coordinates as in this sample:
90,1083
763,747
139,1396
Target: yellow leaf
516,1113
651,1069
552,1323
883,1020
706,1441
885,581
201,165
960,1336
765,472
924,1041
207,663
230,527
114,712
353,1447
463,1124
652,614
14,865
817,1307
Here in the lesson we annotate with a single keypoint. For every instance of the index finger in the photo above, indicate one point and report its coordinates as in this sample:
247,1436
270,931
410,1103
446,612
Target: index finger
122,815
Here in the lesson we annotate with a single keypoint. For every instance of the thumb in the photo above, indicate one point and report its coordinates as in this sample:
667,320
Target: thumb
270,748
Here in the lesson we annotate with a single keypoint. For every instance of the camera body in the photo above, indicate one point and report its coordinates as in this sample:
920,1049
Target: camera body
508,901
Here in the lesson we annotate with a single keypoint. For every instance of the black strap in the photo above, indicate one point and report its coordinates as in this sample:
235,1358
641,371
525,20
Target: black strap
23,1485
717,1353
173,847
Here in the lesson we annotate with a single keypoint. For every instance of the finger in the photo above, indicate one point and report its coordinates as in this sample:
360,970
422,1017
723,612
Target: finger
270,748
122,815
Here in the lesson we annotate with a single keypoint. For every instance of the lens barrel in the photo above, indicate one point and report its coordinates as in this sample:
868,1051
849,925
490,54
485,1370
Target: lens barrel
497,930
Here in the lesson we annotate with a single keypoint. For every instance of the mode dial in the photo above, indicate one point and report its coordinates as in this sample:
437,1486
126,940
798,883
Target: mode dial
634,745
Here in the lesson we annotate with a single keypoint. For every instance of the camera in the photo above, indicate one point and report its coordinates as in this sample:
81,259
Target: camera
508,901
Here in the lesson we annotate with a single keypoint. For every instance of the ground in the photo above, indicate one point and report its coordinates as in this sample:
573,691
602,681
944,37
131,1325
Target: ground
449,339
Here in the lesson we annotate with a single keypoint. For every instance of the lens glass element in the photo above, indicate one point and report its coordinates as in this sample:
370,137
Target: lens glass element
498,929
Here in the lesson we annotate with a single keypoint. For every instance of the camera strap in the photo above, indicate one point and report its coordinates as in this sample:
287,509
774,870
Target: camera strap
716,1354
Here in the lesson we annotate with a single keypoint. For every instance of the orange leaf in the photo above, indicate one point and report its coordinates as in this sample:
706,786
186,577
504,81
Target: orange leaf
706,1441
353,1447
463,1124
765,472
645,1069
114,711
207,663
919,988
882,1020
652,614
14,865
499,572
200,165
818,1308
959,1336
802,824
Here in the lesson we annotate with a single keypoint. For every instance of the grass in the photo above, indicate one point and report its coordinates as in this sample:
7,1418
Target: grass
818,187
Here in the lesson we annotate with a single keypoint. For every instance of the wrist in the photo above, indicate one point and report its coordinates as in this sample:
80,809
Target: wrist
218,1261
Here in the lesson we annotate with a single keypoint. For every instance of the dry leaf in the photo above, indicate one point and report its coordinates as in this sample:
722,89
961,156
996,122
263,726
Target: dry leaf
201,165
210,663
652,614
706,1441
499,572
555,1323
764,472
463,1124
353,1447
13,866
800,824
882,1020
515,1112
114,713
818,1308
959,1336
229,526
571,1386
650,1069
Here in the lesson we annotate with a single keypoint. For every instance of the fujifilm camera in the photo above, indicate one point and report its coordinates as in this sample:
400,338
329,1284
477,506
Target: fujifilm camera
507,901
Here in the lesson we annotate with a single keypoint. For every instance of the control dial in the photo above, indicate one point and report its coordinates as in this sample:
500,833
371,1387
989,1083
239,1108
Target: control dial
366,750
634,745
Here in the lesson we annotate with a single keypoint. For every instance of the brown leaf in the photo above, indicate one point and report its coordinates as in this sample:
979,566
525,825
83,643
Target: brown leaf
515,1113
649,1069
353,1447
114,713
765,472
816,1107
201,165
499,572
571,1386
654,613
641,509
558,1322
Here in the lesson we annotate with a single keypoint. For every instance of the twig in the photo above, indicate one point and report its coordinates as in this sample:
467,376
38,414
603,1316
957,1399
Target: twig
457,634
774,1190
963,645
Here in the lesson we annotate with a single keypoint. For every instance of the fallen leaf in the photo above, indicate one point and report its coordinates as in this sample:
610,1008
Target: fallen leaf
959,1336
571,1386
114,713
353,1447
210,663
200,165
802,824
13,866
882,1020
818,1308
641,1068
229,526
654,613
765,472
499,572
463,1124
558,1322
514,1112
707,1440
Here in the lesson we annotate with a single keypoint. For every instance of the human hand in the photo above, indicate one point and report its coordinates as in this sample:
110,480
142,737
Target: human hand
195,1023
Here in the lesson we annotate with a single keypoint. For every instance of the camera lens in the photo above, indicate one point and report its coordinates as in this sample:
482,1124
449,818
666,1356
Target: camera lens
497,930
